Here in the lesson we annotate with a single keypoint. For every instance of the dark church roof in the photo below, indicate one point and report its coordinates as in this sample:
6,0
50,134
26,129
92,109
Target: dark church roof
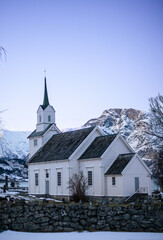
41,133
98,147
120,163
61,146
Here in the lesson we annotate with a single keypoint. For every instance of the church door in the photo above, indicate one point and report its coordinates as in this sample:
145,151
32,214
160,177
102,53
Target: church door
136,184
46,186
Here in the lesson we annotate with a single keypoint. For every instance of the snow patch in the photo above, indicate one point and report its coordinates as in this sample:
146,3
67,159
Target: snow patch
12,235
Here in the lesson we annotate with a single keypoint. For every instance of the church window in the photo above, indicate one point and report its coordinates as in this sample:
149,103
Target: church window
36,179
49,118
113,181
90,178
47,174
39,118
35,142
59,178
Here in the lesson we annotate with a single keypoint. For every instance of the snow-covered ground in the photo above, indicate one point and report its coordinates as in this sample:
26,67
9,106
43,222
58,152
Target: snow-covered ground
11,235
16,195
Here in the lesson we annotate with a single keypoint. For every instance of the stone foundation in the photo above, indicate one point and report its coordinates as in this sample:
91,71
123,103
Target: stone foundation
44,216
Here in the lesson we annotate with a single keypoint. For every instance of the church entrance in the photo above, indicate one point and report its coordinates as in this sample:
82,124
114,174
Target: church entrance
136,184
47,179
46,186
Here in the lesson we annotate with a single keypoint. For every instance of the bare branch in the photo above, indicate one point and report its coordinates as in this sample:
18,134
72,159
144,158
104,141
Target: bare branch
78,185
2,51
155,126
155,129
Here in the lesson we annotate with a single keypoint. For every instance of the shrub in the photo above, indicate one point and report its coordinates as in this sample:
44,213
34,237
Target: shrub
78,185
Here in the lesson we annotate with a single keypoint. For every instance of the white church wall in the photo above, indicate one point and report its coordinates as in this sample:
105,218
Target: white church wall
44,118
62,167
33,148
41,127
40,115
135,169
52,168
49,111
114,190
117,147
129,184
94,165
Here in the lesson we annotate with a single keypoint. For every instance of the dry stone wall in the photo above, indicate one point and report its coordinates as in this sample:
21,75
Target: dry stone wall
19,215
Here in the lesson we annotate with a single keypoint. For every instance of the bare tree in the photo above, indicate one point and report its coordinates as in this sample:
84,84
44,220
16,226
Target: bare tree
157,168
2,51
155,130
160,169
155,126
78,185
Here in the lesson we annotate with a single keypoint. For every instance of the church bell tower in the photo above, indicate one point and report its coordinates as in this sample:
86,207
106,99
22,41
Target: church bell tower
45,112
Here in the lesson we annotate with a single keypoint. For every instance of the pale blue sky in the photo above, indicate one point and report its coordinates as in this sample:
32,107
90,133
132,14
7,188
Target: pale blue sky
98,54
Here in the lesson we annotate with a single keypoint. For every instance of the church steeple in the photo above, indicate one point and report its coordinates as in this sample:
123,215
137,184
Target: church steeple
46,100
45,127
45,112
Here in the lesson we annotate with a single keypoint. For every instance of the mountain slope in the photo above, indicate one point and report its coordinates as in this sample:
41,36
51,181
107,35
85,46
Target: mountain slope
14,149
15,169
14,144
132,124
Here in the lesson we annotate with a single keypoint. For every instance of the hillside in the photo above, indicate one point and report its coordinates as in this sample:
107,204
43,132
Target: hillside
14,149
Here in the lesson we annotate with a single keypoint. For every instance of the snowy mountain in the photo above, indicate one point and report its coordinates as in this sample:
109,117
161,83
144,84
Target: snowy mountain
15,169
132,124
14,149
14,144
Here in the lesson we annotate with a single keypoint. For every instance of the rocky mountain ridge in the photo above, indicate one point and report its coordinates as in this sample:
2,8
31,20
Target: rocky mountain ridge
131,123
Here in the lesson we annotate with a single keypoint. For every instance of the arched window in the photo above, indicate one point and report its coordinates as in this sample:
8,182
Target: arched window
49,118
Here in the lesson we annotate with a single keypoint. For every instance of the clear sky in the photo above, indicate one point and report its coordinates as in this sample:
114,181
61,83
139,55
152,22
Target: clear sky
98,54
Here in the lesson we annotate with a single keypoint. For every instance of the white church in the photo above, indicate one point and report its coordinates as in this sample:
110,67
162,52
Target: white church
111,166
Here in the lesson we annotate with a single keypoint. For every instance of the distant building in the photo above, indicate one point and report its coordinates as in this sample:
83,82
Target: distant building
109,163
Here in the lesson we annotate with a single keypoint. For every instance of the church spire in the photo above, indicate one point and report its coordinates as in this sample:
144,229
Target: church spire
46,100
